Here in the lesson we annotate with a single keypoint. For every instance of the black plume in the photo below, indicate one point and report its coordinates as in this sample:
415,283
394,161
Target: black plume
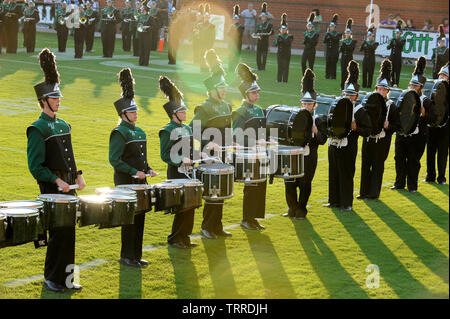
284,19
169,89
127,83
236,9
264,7
213,62
48,65
245,73
349,23
353,72
421,63
308,81
311,17
386,69
441,31
335,18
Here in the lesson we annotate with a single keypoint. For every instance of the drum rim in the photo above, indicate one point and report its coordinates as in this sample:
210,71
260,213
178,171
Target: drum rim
288,150
218,198
226,170
255,155
168,186
2,216
114,190
86,199
136,187
186,181
122,198
41,204
32,212
57,198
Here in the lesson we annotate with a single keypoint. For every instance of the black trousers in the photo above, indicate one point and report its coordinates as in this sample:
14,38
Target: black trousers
368,69
438,143
297,207
135,41
29,36
108,39
212,216
254,203
12,30
396,69
126,38
345,59
132,236
183,223
62,32
261,54
90,30
309,56
78,39
283,68
172,52
374,154
60,249
408,151
331,65
145,44
341,171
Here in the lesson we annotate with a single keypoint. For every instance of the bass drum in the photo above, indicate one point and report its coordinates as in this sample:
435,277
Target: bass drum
375,105
340,118
292,123
324,103
3,224
427,88
408,106
439,97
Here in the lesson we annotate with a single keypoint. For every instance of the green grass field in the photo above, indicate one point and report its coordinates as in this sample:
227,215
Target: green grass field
326,256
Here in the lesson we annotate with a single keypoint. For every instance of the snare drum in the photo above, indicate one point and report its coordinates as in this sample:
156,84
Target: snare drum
123,210
218,181
168,195
287,161
94,210
22,225
36,204
145,196
115,191
192,193
60,210
250,167
3,224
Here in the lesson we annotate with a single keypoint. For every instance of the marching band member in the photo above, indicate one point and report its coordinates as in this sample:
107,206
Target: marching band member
92,19
264,29
51,161
235,33
170,134
254,204
176,32
310,39
375,149
79,33
331,40
109,18
346,46
133,27
207,34
410,148
440,53
396,47
31,18
125,25
369,46
59,23
128,156
213,112
147,23
283,41
13,11
438,142
297,207
342,153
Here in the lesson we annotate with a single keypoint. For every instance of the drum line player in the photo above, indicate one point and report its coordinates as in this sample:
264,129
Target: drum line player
286,150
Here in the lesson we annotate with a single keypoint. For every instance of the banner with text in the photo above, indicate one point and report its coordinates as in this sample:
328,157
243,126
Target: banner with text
418,42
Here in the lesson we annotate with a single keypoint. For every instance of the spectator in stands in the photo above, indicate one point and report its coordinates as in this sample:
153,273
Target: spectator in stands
428,25
409,25
249,16
397,18
389,22
317,20
445,24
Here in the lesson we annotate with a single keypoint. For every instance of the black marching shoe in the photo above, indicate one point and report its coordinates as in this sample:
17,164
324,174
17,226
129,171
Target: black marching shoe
347,209
361,197
191,245
412,190
52,286
207,234
76,287
224,233
396,188
329,205
248,225
258,225
288,214
177,245
144,262
130,263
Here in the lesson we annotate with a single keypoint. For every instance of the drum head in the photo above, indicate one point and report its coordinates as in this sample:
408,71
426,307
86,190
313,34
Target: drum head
22,204
408,105
439,97
288,150
135,187
186,181
57,198
216,168
121,198
340,118
114,191
96,199
301,128
19,212
375,105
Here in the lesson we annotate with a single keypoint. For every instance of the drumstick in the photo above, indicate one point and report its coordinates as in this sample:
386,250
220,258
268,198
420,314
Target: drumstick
146,175
74,186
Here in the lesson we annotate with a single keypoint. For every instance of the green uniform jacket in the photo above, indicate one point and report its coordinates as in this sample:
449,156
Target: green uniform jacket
104,15
166,142
127,13
59,12
246,112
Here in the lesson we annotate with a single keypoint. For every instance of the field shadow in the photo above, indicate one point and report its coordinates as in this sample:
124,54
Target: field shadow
333,275
392,270
438,215
442,188
431,257
220,269
186,279
130,282
274,277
